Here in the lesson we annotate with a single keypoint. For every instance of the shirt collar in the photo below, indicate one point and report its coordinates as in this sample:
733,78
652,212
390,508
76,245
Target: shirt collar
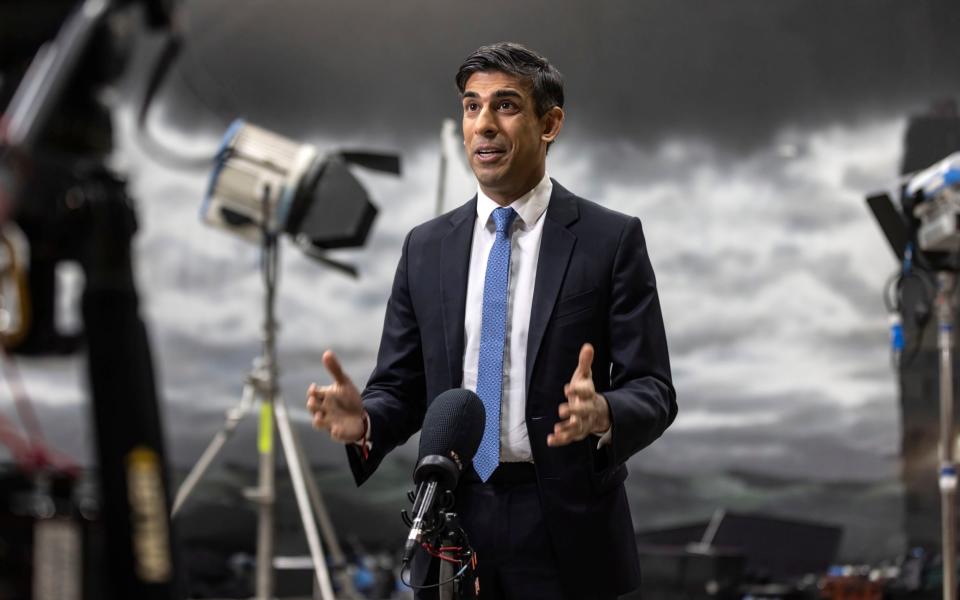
530,206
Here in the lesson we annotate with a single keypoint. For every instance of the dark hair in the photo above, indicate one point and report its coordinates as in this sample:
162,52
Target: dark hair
519,61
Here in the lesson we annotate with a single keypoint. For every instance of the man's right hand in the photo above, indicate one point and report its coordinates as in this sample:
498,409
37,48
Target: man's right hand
336,407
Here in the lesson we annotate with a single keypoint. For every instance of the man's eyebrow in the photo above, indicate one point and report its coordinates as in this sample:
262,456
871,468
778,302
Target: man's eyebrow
506,93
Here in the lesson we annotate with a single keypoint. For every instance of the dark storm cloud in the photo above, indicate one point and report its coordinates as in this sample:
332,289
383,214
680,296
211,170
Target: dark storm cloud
804,441
732,71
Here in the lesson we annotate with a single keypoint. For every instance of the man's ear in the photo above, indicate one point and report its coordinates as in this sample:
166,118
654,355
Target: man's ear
552,122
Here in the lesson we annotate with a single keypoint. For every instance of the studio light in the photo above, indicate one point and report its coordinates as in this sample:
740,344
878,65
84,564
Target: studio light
264,185
264,182
935,192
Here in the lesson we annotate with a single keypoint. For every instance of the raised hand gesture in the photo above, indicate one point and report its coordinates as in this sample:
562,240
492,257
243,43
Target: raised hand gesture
336,407
585,411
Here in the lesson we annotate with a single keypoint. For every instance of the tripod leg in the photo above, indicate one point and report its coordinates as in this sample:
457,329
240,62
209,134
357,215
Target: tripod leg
326,524
265,497
234,416
303,501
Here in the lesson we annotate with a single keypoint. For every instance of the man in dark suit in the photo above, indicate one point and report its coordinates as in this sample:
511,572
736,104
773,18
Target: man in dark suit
545,304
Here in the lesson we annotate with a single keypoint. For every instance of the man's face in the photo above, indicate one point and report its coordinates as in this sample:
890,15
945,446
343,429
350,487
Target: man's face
505,140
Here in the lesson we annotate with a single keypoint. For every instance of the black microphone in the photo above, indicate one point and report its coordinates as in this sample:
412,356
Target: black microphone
451,433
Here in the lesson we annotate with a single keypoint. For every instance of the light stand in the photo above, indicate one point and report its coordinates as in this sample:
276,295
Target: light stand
261,382
927,232
946,282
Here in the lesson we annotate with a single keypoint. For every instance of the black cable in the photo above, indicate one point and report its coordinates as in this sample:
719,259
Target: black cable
909,354
155,149
432,585
892,303
225,109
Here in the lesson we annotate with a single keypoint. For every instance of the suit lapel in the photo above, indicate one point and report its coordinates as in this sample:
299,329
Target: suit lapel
454,267
556,246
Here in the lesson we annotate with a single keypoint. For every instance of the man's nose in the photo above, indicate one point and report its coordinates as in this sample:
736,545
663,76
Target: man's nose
486,123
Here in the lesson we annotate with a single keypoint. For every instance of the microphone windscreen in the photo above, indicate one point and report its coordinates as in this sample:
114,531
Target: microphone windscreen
453,426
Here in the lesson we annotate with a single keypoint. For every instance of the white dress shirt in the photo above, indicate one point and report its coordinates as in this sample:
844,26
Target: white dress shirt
527,230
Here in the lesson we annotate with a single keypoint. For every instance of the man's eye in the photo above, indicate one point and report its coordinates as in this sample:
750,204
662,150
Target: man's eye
505,105
472,106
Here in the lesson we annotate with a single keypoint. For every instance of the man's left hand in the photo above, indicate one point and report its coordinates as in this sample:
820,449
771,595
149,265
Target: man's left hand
585,411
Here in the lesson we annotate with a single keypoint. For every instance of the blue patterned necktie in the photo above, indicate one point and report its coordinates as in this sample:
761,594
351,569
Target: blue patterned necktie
493,331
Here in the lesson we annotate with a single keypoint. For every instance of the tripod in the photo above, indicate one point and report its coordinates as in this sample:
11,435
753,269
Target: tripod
261,383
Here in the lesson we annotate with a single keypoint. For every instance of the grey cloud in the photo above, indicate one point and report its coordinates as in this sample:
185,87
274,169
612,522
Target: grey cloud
733,72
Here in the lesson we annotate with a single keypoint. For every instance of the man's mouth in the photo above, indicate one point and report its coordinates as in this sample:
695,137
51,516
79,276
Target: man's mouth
488,153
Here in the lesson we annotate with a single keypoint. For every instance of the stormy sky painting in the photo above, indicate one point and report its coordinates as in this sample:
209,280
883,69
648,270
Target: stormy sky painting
744,134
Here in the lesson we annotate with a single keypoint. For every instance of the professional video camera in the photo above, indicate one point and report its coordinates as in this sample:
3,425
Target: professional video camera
55,137
59,201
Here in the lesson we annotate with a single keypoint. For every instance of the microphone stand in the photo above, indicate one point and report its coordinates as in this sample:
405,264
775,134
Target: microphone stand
446,541
455,583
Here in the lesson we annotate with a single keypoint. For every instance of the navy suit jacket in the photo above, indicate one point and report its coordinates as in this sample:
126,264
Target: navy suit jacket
594,283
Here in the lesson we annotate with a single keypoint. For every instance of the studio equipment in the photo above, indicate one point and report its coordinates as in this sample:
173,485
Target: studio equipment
935,195
59,201
316,200
451,433
262,186
925,235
